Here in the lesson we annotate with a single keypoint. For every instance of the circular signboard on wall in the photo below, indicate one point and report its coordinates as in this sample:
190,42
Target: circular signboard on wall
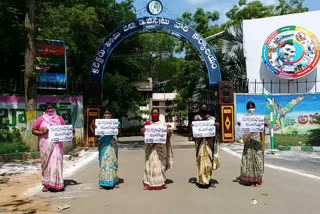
291,52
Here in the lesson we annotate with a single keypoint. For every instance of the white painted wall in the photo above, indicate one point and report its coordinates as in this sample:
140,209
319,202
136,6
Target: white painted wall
256,31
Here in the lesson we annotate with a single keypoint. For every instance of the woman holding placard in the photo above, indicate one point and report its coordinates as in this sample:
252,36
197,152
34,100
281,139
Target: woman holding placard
158,156
252,156
206,160
51,154
108,158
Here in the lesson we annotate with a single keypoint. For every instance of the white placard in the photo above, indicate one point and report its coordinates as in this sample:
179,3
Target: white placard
155,134
106,127
252,124
203,128
60,133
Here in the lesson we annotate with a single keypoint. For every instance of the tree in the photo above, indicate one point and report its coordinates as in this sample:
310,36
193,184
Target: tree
12,39
191,79
137,58
256,9
30,85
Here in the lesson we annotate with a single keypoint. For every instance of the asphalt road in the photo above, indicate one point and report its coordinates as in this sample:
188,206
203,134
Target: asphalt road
304,162
281,192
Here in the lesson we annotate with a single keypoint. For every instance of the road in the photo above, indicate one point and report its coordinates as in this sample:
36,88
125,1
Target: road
281,192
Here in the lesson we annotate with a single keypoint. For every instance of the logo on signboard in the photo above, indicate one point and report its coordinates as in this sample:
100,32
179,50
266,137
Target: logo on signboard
154,7
291,52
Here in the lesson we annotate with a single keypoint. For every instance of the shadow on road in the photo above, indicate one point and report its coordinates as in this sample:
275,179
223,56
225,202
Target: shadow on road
169,181
120,180
70,183
131,144
212,183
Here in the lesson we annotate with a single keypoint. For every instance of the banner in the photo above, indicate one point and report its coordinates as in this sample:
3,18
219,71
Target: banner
60,133
203,129
51,64
155,134
252,124
106,127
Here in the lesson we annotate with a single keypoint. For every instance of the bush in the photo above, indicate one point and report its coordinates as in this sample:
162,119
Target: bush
314,138
290,140
13,147
8,134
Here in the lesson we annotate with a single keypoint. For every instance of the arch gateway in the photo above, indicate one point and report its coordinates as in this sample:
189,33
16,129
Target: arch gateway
154,23
146,24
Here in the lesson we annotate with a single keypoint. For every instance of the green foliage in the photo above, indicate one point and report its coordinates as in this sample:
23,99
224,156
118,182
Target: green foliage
8,134
256,9
145,112
290,140
314,135
12,38
12,147
119,94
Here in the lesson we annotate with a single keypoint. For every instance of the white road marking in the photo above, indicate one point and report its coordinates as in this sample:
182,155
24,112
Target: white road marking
70,171
276,167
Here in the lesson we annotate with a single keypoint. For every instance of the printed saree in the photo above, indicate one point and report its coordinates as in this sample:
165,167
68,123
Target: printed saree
51,154
205,159
158,158
108,161
252,159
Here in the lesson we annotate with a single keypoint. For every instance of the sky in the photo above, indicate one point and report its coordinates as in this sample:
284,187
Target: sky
174,8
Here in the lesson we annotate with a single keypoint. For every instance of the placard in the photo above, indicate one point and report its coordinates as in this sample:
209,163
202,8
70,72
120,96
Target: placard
155,134
60,133
106,127
203,128
252,124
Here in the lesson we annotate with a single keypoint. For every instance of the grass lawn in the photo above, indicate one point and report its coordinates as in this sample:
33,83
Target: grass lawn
290,140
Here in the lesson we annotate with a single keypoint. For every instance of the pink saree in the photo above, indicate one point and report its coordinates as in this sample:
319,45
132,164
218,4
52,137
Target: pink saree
51,153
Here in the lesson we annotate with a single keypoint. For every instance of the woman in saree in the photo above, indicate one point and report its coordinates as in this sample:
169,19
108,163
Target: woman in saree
158,157
108,158
51,154
206,155
252,156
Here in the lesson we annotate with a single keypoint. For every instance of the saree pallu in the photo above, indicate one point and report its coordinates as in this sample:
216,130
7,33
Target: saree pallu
158,158
204,160
216,149
108,161
51,161
252,159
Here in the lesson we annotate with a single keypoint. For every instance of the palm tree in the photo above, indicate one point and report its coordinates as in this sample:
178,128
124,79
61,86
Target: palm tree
229,51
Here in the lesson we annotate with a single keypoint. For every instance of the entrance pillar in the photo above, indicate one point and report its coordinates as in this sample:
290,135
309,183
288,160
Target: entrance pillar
92,110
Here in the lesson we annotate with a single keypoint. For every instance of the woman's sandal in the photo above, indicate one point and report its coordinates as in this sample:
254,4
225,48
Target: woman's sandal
45,189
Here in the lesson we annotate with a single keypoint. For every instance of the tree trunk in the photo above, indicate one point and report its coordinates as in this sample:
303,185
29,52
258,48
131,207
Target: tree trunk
30,87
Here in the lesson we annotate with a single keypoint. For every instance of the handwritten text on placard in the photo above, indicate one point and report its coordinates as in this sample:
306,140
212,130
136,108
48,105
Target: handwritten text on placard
106,127
252,124
60,133
203,129
155,134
